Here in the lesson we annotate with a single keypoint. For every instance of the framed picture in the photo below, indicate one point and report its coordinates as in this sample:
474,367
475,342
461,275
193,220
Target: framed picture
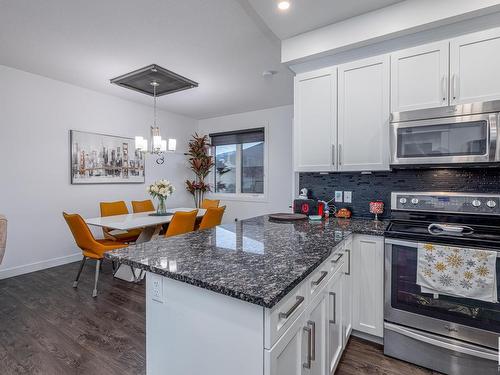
105,159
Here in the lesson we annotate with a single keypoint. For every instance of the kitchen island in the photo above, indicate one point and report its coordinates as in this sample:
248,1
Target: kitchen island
219,301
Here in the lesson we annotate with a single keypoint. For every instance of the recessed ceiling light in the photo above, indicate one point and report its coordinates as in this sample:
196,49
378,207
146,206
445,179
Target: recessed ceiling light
284,5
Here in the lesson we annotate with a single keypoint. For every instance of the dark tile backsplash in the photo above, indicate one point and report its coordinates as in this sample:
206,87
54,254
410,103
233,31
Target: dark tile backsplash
379,185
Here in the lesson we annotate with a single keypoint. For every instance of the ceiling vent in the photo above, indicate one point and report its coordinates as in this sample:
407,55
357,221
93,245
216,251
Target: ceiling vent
167,82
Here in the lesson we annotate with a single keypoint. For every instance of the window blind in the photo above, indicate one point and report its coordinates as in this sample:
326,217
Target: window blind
237,137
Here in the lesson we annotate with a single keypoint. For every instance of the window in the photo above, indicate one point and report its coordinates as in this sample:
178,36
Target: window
239,162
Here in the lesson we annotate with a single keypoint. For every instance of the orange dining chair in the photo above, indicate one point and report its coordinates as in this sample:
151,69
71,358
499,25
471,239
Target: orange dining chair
91,248
143,206
210,203
182,222
117,208
212,217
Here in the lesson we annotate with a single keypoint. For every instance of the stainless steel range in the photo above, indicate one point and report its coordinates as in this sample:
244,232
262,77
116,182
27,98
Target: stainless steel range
442,331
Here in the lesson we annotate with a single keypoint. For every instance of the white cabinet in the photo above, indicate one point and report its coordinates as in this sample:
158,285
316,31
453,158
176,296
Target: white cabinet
315,130
334,319
368,283
474,67
363,115
287,356
419,77
315,329
347,293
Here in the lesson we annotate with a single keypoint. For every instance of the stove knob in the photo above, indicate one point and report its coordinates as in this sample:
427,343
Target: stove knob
403,200
476,203
491,204
414,201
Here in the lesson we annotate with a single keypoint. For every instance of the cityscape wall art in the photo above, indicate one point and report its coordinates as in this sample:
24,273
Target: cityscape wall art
105,159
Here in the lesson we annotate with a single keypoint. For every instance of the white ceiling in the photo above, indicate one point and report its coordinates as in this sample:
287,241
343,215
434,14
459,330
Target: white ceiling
87,42
306,15
224,45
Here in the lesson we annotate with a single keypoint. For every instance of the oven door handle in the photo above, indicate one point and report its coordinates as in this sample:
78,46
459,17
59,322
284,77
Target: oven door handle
449,344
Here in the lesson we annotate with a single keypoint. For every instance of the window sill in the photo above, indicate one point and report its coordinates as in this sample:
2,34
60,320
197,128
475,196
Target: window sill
239,197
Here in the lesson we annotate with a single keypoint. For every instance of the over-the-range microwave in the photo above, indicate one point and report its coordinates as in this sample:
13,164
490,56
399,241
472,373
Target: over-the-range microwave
466,134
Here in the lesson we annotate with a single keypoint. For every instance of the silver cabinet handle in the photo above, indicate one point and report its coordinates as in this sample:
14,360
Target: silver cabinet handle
348,261
286,315
444,87
333,154
454,86
340,154
334,295
313,339
307,363
323,275
335,261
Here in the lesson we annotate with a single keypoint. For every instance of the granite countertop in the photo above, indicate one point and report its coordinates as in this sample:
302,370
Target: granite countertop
255,260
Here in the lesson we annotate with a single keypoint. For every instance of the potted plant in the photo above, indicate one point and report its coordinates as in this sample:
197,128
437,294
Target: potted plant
161,190
200,162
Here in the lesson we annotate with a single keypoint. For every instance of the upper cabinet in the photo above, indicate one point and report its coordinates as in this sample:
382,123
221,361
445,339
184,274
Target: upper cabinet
474,67
363,115
315,130
341,120
419,77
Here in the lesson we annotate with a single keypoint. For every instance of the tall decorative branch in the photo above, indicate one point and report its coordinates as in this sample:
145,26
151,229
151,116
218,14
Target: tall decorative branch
201,163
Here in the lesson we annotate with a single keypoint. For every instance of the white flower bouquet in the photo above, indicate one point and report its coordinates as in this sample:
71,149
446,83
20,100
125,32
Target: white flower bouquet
161,190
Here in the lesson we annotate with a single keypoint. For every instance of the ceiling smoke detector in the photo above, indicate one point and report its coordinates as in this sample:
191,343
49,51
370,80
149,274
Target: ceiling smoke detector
269,73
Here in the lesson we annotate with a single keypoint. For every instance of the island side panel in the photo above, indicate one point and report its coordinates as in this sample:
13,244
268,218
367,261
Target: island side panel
195,331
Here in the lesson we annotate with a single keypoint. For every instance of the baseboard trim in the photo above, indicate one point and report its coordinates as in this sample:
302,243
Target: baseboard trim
37,266
368,337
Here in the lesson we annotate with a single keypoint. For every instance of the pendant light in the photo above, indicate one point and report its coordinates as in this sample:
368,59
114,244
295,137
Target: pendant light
158,145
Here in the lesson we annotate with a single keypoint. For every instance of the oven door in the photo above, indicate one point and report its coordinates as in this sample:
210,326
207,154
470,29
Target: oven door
450,140
456,317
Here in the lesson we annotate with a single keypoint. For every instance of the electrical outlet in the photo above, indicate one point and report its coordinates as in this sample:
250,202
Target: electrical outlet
157,288
348,196
338,196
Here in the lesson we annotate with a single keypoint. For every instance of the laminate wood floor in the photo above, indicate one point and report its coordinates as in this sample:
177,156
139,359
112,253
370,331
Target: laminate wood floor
49,328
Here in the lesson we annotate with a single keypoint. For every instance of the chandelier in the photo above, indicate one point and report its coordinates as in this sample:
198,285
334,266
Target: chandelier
159,146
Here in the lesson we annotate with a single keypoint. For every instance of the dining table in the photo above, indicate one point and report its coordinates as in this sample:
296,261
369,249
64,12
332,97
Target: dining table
150,224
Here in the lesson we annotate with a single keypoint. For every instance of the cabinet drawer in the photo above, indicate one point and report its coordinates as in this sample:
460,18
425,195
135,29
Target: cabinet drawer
337,259
318,279
281,317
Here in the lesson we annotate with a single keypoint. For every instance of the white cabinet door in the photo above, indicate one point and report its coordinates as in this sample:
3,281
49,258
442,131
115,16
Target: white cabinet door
347,293
315,116
474,67
334,336
315,324
367,271
419,77
287,356
363,115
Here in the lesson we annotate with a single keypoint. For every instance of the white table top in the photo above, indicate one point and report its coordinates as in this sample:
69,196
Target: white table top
139,220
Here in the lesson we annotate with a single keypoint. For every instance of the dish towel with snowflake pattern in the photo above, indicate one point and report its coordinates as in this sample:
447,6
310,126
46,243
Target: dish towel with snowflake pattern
459,272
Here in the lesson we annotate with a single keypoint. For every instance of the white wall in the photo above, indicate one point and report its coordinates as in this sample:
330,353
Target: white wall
400,19
279,143
419,38
36,114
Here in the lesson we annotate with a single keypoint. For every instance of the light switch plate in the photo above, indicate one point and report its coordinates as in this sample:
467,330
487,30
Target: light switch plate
348,196
338,196
157,288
